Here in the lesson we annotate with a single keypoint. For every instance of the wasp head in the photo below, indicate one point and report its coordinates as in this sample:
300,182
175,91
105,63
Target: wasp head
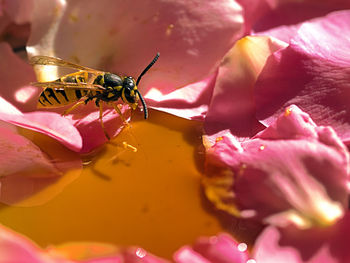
129,92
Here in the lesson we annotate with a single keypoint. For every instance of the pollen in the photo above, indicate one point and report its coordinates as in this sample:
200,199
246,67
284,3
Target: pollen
287,112
218,139
169,30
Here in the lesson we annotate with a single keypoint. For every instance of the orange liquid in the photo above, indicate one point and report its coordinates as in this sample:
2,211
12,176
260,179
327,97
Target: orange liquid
151,198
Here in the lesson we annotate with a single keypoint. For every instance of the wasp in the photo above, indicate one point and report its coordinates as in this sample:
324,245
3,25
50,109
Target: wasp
88,84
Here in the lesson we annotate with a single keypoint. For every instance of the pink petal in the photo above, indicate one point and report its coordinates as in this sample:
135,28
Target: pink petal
312,73
315,245
302,172
19,155
218,249
15,248
29,177
87,122
89,252
19,11
190,102
49,123
283,33
261,15
232,105
11,85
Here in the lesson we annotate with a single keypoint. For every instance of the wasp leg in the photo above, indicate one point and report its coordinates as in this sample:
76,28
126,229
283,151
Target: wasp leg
102,124
116,108
73,107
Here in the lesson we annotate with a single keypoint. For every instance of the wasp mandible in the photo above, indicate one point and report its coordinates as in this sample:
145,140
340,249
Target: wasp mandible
88,84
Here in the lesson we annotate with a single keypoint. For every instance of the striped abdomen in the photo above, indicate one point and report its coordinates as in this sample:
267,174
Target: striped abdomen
61,96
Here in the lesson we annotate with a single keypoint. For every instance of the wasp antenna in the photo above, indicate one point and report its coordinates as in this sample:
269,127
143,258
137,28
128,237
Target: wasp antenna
147,68
145,111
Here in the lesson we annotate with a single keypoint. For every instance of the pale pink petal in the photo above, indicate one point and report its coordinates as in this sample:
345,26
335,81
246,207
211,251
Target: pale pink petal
292,245
232,105
218,249
301,171
15,75
19,11
312,73
15,16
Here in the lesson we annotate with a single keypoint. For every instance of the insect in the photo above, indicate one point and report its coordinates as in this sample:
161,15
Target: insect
89,85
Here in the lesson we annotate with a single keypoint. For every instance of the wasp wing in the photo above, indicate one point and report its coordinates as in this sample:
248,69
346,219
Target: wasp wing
52,61
67,85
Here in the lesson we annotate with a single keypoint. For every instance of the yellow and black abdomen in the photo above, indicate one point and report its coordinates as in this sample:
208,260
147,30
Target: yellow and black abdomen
53,97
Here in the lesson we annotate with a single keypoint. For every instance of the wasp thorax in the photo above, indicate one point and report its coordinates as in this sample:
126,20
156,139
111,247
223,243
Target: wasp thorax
112,80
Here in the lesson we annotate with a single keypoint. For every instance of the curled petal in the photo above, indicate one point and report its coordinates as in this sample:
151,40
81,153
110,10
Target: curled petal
49,123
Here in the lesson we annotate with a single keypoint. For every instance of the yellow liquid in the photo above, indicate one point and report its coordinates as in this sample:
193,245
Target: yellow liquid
151,198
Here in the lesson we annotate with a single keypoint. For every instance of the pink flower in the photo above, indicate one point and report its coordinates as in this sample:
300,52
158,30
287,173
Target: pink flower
291,172
292,175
